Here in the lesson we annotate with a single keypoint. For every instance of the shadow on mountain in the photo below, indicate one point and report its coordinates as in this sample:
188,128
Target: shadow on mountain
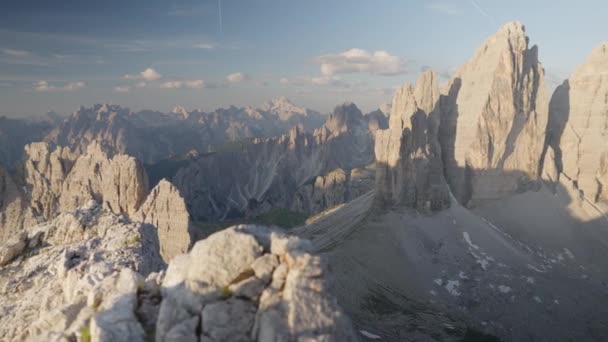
526,267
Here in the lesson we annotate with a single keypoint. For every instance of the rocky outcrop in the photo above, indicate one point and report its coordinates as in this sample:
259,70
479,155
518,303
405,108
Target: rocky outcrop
14,211
43,172
52,180
408,156
255,176
334,188
75,267
494,114
92,274
249,283
119,182
578,126
165,209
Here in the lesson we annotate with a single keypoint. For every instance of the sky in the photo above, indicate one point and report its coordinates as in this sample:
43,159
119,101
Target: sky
152,54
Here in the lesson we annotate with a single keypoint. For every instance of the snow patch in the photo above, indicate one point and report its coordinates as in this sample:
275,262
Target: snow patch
369,335
452,287
467,239
530,280
537,299
462,275
438,282
533,268
504,289
569,254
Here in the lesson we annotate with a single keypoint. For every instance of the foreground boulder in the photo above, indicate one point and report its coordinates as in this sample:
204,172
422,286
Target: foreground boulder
92,274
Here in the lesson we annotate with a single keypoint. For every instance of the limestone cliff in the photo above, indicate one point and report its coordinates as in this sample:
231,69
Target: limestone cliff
408,155
494,115
165,209
578,127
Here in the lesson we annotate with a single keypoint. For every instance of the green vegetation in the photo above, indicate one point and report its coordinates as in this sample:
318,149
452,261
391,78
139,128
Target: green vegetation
283,218
133,241
85,334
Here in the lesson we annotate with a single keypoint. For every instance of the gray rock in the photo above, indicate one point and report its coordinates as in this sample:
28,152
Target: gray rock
13,248
229,320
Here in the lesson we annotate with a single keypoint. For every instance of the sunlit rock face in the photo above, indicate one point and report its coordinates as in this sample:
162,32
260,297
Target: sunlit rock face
165,209
494,115
408,155
98,276
578,127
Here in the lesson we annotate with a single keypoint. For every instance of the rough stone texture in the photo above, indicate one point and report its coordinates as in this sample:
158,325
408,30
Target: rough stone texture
14,212
43,172
80,268
258,175
165,209
494,115
334,188
119,182
578,126
293,304
408,156
12,248
85,270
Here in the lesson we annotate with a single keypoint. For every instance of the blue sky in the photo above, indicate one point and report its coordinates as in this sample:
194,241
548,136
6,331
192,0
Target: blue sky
58,55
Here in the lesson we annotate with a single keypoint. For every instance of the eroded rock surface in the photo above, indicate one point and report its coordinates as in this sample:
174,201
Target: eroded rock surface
408,155
165,209
494,115
578,127
58,276
92,274
253,177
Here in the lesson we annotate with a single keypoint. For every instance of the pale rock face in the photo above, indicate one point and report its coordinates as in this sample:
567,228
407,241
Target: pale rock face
43,172
93,276
494,115
334,188
579,126
81,269
408,155
120,182
14,212
165,209
291,302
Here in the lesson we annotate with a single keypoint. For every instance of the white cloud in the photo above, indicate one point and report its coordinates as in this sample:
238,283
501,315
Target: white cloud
328,81
237,77
205,46
44,86
194,84
360,61
15,53
122,89
146,75
445,8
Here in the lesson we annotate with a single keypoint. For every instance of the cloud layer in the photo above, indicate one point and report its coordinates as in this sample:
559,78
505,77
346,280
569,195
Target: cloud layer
146,75
44,86
360,61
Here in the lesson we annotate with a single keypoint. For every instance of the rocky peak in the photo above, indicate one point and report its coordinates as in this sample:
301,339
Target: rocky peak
578,125
165,209
345,117
409,168
494,114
